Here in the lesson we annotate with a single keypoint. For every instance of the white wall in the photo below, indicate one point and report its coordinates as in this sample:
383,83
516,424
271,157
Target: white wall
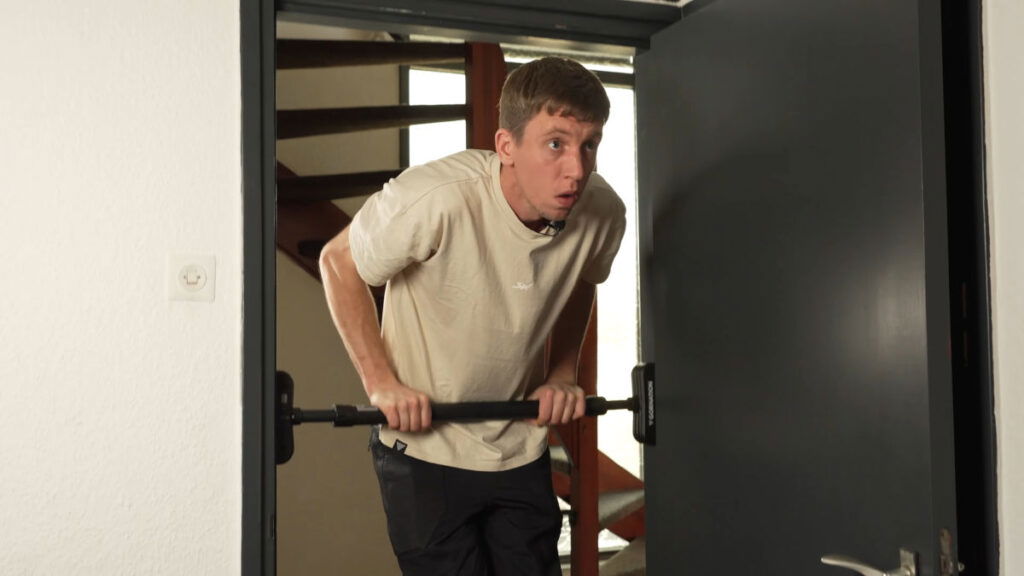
120,428
1004,89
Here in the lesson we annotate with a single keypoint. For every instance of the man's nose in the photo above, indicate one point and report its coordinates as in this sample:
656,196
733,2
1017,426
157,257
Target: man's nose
575,165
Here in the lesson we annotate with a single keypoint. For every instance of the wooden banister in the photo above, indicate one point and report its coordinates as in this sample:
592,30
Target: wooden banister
485,75
580,440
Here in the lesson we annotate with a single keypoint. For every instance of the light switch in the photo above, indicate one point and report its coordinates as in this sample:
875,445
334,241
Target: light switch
191,277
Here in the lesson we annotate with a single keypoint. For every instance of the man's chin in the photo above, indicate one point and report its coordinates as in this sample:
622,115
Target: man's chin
558,215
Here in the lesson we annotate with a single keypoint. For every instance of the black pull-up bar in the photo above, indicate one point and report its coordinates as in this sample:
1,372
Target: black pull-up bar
641,404
343,415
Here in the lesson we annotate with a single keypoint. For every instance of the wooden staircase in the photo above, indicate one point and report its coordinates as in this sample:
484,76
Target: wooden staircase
307,218
602,494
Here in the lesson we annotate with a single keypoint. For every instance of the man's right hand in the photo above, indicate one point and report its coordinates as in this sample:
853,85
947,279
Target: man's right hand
406,409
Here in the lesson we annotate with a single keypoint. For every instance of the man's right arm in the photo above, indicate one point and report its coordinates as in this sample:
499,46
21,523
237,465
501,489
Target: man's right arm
355,316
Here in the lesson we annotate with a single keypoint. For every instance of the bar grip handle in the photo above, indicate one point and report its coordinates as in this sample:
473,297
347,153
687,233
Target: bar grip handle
343,415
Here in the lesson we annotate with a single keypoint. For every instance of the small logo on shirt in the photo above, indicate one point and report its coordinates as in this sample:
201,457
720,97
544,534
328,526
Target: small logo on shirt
523,286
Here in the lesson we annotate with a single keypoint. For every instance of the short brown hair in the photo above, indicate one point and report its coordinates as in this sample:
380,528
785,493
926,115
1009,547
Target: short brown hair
557,85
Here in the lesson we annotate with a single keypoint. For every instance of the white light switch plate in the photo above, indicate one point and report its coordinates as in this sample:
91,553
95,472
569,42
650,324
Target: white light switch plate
191,277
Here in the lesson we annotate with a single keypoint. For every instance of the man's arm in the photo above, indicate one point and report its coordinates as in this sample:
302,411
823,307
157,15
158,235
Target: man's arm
355,316
561,399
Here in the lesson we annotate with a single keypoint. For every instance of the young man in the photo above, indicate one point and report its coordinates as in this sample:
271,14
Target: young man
485,255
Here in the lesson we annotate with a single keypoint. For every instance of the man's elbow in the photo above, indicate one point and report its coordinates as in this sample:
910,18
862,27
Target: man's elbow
335,256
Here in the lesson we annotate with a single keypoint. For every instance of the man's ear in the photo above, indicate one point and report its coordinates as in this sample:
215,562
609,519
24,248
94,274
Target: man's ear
504,145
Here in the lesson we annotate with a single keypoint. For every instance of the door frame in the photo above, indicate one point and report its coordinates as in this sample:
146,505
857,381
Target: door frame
971,312
259,285
577,25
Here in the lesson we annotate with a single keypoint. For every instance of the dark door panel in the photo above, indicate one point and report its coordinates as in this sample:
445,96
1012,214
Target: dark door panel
797,287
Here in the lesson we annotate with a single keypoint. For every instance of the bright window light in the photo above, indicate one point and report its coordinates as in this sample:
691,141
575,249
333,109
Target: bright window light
432,141
617,301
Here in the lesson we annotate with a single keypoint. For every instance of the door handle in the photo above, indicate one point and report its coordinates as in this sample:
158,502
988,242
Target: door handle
908,564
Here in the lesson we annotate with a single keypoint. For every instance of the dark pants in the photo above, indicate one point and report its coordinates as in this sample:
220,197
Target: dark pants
449,521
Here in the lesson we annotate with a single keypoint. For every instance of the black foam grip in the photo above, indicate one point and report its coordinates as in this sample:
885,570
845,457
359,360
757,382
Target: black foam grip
344,415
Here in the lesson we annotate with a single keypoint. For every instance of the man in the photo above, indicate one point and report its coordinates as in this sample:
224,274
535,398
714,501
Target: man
485,255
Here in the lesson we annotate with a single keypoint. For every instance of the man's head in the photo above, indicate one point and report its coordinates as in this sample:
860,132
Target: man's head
551,115
557,85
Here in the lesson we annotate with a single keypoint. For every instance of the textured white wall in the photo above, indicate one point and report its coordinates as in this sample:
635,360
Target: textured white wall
120,429
1004,92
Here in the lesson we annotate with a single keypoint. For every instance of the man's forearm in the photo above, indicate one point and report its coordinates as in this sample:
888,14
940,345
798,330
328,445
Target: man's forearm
355,317
561,399
354,312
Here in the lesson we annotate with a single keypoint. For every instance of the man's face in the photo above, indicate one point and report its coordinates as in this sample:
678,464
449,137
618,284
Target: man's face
545,172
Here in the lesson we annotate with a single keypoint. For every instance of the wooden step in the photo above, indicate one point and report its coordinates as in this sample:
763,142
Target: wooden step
296,54
630,561
560,461
614,506
319,121
331,187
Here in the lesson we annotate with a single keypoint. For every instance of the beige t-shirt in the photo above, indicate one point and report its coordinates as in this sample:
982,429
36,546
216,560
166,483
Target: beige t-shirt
472,295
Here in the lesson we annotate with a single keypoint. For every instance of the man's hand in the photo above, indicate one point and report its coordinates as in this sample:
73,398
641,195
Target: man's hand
560,403
406,409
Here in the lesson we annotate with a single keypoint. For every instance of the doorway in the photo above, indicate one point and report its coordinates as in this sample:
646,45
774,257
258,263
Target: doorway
581,37
329,472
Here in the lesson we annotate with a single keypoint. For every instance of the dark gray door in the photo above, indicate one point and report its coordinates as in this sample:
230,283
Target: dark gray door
792,172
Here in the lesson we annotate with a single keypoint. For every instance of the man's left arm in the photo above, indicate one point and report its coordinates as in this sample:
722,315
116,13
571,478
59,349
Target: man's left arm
561,399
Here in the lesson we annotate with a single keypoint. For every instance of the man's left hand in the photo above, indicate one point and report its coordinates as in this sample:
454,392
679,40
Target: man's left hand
560,403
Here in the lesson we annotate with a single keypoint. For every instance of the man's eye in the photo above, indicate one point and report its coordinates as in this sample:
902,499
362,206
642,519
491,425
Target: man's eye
590,146
554,144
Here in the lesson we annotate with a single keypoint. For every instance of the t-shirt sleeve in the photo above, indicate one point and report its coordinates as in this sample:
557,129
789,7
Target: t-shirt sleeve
396,227
613,212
